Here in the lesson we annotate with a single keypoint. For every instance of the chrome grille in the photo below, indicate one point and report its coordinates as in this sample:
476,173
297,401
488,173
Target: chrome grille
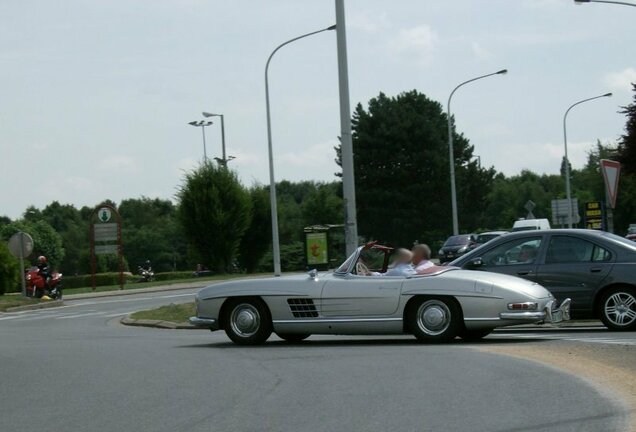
303,308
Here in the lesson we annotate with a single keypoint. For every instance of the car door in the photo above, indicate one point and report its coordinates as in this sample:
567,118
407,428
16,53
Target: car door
574,267
517,257
359,296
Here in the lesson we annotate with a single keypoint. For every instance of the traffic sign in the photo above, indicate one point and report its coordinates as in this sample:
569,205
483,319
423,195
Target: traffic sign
104,214
21,245
611,171
561,212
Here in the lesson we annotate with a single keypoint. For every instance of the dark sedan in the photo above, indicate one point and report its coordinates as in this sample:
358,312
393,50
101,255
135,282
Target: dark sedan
596,269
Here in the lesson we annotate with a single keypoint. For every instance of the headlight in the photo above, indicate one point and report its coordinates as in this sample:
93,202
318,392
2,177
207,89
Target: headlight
462,249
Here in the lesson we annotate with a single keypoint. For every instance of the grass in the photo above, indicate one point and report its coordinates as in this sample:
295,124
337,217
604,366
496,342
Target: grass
178,313
8,301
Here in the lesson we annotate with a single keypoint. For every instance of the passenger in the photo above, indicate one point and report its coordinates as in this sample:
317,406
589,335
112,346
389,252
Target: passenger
421,258
401,264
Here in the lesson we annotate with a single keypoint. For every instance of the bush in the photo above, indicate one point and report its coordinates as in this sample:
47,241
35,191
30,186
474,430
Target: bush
9,271
101,279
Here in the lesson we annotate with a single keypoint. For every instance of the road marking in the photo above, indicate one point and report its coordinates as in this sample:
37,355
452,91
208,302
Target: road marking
80,315
566,337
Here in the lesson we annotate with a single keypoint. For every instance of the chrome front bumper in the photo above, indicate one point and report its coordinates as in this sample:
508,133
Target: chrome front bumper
549,314
210,323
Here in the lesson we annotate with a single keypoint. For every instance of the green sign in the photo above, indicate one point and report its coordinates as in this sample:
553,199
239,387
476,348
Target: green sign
317,248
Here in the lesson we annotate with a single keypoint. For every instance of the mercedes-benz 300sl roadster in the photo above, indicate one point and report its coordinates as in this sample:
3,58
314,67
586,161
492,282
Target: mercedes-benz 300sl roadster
359,299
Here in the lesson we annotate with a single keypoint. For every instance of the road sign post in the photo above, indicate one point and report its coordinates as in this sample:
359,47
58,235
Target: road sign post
21,246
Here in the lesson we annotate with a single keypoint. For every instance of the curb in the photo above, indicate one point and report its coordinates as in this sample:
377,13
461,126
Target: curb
158,324
46,305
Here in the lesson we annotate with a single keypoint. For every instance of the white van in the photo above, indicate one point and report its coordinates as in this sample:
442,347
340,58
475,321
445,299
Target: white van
530,224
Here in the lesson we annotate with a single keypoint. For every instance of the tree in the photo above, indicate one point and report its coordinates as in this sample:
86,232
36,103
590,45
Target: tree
214,211
402,175
46,240
9,270
627,144
257,239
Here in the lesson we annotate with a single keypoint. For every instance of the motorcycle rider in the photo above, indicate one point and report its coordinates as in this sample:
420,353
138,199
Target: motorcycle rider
44,270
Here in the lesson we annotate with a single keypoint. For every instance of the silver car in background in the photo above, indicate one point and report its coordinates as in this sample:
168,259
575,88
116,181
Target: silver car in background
435,307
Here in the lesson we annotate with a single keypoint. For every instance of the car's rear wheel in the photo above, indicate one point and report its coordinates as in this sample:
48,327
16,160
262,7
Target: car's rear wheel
437,319
248,321
293,337
618,309
472,335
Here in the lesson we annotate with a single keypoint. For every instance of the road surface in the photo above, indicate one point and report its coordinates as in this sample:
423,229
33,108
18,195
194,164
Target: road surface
76,368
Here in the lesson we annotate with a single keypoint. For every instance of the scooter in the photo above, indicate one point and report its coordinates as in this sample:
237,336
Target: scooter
37,287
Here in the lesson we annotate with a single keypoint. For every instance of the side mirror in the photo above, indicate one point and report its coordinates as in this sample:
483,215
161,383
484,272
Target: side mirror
313,273
475,263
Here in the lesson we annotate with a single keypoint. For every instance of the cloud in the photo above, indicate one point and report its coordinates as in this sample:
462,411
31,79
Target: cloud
368,23
117,162
320,154
621,81
78,183
421,40
480,52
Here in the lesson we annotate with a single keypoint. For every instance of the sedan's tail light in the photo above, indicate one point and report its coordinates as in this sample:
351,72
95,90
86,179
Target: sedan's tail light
523,306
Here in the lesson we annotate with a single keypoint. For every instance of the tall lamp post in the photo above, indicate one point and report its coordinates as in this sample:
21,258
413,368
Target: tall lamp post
223,157
450,147
568,190
202,124
272,182
605,1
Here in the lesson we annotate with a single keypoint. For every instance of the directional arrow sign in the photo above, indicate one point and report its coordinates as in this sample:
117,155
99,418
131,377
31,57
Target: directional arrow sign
611,170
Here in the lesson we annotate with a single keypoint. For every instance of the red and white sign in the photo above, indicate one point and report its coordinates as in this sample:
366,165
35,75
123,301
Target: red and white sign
611,171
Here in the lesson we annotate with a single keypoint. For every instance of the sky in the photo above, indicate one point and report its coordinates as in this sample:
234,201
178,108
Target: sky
97,95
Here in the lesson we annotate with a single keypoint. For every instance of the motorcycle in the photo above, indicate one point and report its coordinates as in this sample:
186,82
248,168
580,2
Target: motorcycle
37,287
147,275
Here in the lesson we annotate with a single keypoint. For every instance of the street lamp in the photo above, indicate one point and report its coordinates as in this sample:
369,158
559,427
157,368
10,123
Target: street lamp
202,124
568,190
224,160
272,183
450,147
579,2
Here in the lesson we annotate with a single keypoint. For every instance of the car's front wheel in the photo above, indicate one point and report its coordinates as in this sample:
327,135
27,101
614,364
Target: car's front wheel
434,320
618,309
293,337
248,321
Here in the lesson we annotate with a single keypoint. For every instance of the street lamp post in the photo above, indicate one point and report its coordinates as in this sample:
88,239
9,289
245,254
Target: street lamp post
272,182
568,190
223,158
202,124
605,1
450,147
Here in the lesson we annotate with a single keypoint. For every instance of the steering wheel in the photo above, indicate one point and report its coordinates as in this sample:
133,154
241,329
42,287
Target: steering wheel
362,269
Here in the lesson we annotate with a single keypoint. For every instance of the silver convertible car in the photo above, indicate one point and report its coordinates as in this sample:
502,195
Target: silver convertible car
435,307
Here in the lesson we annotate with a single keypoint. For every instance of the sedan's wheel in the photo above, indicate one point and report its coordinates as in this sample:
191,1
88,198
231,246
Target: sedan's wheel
618,309
293,337
434,319
474,334
248,322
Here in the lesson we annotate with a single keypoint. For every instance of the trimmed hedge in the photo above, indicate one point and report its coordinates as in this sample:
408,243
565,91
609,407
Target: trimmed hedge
106,279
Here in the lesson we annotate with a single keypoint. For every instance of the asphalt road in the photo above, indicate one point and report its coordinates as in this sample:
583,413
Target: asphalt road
75,368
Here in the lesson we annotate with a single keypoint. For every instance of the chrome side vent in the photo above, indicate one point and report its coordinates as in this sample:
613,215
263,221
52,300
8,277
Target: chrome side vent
303,308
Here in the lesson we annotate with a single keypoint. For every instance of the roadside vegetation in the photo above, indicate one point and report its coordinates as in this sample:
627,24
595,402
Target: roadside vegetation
177,313
401,174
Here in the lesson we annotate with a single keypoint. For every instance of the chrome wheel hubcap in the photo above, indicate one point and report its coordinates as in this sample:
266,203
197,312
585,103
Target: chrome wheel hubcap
245,320
620,309
433,317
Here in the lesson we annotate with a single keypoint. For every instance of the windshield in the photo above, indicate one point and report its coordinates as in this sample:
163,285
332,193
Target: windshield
457,240
344,267
483,238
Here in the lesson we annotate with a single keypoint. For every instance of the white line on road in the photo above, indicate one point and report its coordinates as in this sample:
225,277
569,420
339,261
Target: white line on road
80,315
